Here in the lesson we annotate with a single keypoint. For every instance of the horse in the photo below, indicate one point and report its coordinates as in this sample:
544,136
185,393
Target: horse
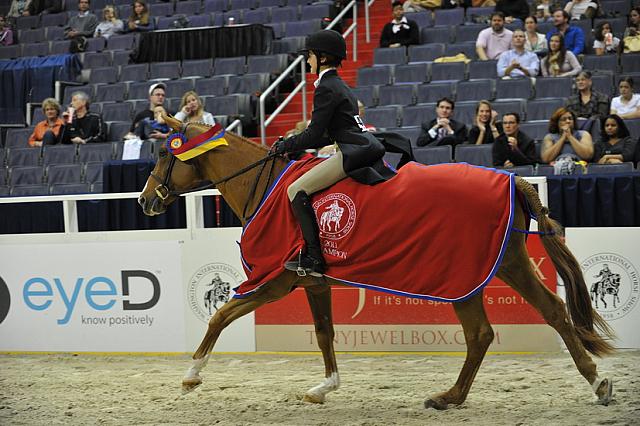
218,293
231,168
609,284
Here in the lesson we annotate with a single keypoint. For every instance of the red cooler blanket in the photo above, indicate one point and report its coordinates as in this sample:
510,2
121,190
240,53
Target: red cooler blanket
435,232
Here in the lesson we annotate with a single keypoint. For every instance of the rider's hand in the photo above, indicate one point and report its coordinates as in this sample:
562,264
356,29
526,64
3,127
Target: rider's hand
280,147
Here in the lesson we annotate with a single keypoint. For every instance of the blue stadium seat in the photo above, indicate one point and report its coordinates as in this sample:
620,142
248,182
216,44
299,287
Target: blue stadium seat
64,173
397,95
117,130
165,22
257,16
483,69
412,73
214,6
69,188
510,105
600,63
465,111
468,33
191,7
423,19
272,64
284,14
18,137
134,72
609,168
554,87
161,9
527,170
467,48
138,90
620,6
425,52
542,109
96,59
121,42
199,21
95,152
214,86
382,117
242,4
59,154
236,14
26,175
633,124
433,155
27,22
435,35
514,88
477,89
29,190
197,67
390,55
301,28
162,70
315,11
116,111
177,88
93,172
95,44
415,115
53,19
630,62
368,95
35,49
480,155
4,191
60,47
55,33
375,75
111,93
475,12
235,105
103,75
270,3
432,92
31,36
10,52
449,16
234,65
121,57
288,45
411,133
249,83
603,83
4,178
448,71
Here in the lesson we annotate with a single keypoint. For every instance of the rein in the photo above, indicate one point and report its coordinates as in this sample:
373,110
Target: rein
163,191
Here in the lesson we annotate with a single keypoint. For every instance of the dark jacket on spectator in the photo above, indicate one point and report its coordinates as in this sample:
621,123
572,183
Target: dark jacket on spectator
44,6
516,8
524,154
408,34
459,134
625,147
91,128
597,107
85,25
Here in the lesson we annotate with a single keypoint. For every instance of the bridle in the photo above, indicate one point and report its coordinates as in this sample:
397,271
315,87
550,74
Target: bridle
164,191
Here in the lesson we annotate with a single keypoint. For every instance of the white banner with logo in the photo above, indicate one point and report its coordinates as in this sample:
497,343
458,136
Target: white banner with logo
610,261
211,270
106,296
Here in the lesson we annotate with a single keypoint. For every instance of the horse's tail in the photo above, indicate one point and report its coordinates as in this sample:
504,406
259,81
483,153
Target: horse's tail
582,314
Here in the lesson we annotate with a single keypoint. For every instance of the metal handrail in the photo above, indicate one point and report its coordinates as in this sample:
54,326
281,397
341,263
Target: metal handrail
367,5
236,123
264,122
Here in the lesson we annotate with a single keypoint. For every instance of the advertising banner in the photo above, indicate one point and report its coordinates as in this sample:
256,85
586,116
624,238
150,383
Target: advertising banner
610,261
107,296
211,269
374,321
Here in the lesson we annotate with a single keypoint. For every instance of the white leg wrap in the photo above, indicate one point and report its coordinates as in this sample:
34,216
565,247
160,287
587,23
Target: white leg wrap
329,384
198,365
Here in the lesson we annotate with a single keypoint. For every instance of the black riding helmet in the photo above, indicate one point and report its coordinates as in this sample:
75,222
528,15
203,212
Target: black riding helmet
329,42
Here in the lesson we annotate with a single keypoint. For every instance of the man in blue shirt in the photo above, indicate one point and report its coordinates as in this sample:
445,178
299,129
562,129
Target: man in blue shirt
518,62
573,36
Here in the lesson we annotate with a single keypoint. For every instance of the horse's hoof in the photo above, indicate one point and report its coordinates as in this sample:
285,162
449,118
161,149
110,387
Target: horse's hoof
438,404
605,391
190,384
315,398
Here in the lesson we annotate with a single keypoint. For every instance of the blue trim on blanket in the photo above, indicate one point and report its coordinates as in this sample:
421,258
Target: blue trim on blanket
244,262
267,195
492,273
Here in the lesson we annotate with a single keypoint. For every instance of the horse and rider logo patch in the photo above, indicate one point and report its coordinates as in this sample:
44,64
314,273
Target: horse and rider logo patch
336,215
210,287
614,284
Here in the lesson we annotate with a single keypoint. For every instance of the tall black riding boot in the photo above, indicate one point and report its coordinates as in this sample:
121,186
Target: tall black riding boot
311,261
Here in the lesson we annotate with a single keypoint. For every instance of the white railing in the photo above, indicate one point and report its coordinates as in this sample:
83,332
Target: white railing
300,87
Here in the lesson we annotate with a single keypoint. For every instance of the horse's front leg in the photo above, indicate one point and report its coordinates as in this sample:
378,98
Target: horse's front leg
228,313
319,297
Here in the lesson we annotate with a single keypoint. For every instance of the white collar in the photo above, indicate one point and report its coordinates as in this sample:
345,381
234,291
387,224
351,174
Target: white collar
398,25
317,82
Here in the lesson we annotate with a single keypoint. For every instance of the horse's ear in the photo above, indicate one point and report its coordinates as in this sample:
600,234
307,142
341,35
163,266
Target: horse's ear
173,122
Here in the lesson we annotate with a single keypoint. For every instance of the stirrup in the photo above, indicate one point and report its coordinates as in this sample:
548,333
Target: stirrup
301,269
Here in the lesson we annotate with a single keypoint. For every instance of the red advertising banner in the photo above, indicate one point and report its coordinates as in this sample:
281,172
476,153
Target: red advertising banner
372,320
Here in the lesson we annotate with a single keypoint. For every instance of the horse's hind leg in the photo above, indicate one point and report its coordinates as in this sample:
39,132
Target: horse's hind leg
228,313
478,335
319,297
516,271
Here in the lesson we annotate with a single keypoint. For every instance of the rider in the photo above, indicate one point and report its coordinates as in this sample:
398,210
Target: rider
334,117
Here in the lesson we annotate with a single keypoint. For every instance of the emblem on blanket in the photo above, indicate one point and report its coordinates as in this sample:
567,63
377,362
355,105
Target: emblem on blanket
210,288
615,284
336,215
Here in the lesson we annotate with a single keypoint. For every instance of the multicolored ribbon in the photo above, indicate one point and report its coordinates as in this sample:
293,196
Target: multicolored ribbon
185,149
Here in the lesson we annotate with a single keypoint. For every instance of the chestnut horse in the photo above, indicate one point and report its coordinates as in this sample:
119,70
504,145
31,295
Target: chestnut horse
577,322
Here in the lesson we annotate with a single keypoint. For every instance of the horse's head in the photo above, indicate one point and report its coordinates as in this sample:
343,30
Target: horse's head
170,175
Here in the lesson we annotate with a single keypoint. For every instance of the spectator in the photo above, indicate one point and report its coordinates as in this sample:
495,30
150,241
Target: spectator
543,9
443,130
627,105
37,7
400,31
420,5
579,9
47,132
18,8
494,40
81,25
560,62
616,145
633,27
587,103
564,140
513,10
573,36
6,33
84,126
518,62
605,41
139,21
110,25
535,42
192,110
154,128
513,147
156,98
486,129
